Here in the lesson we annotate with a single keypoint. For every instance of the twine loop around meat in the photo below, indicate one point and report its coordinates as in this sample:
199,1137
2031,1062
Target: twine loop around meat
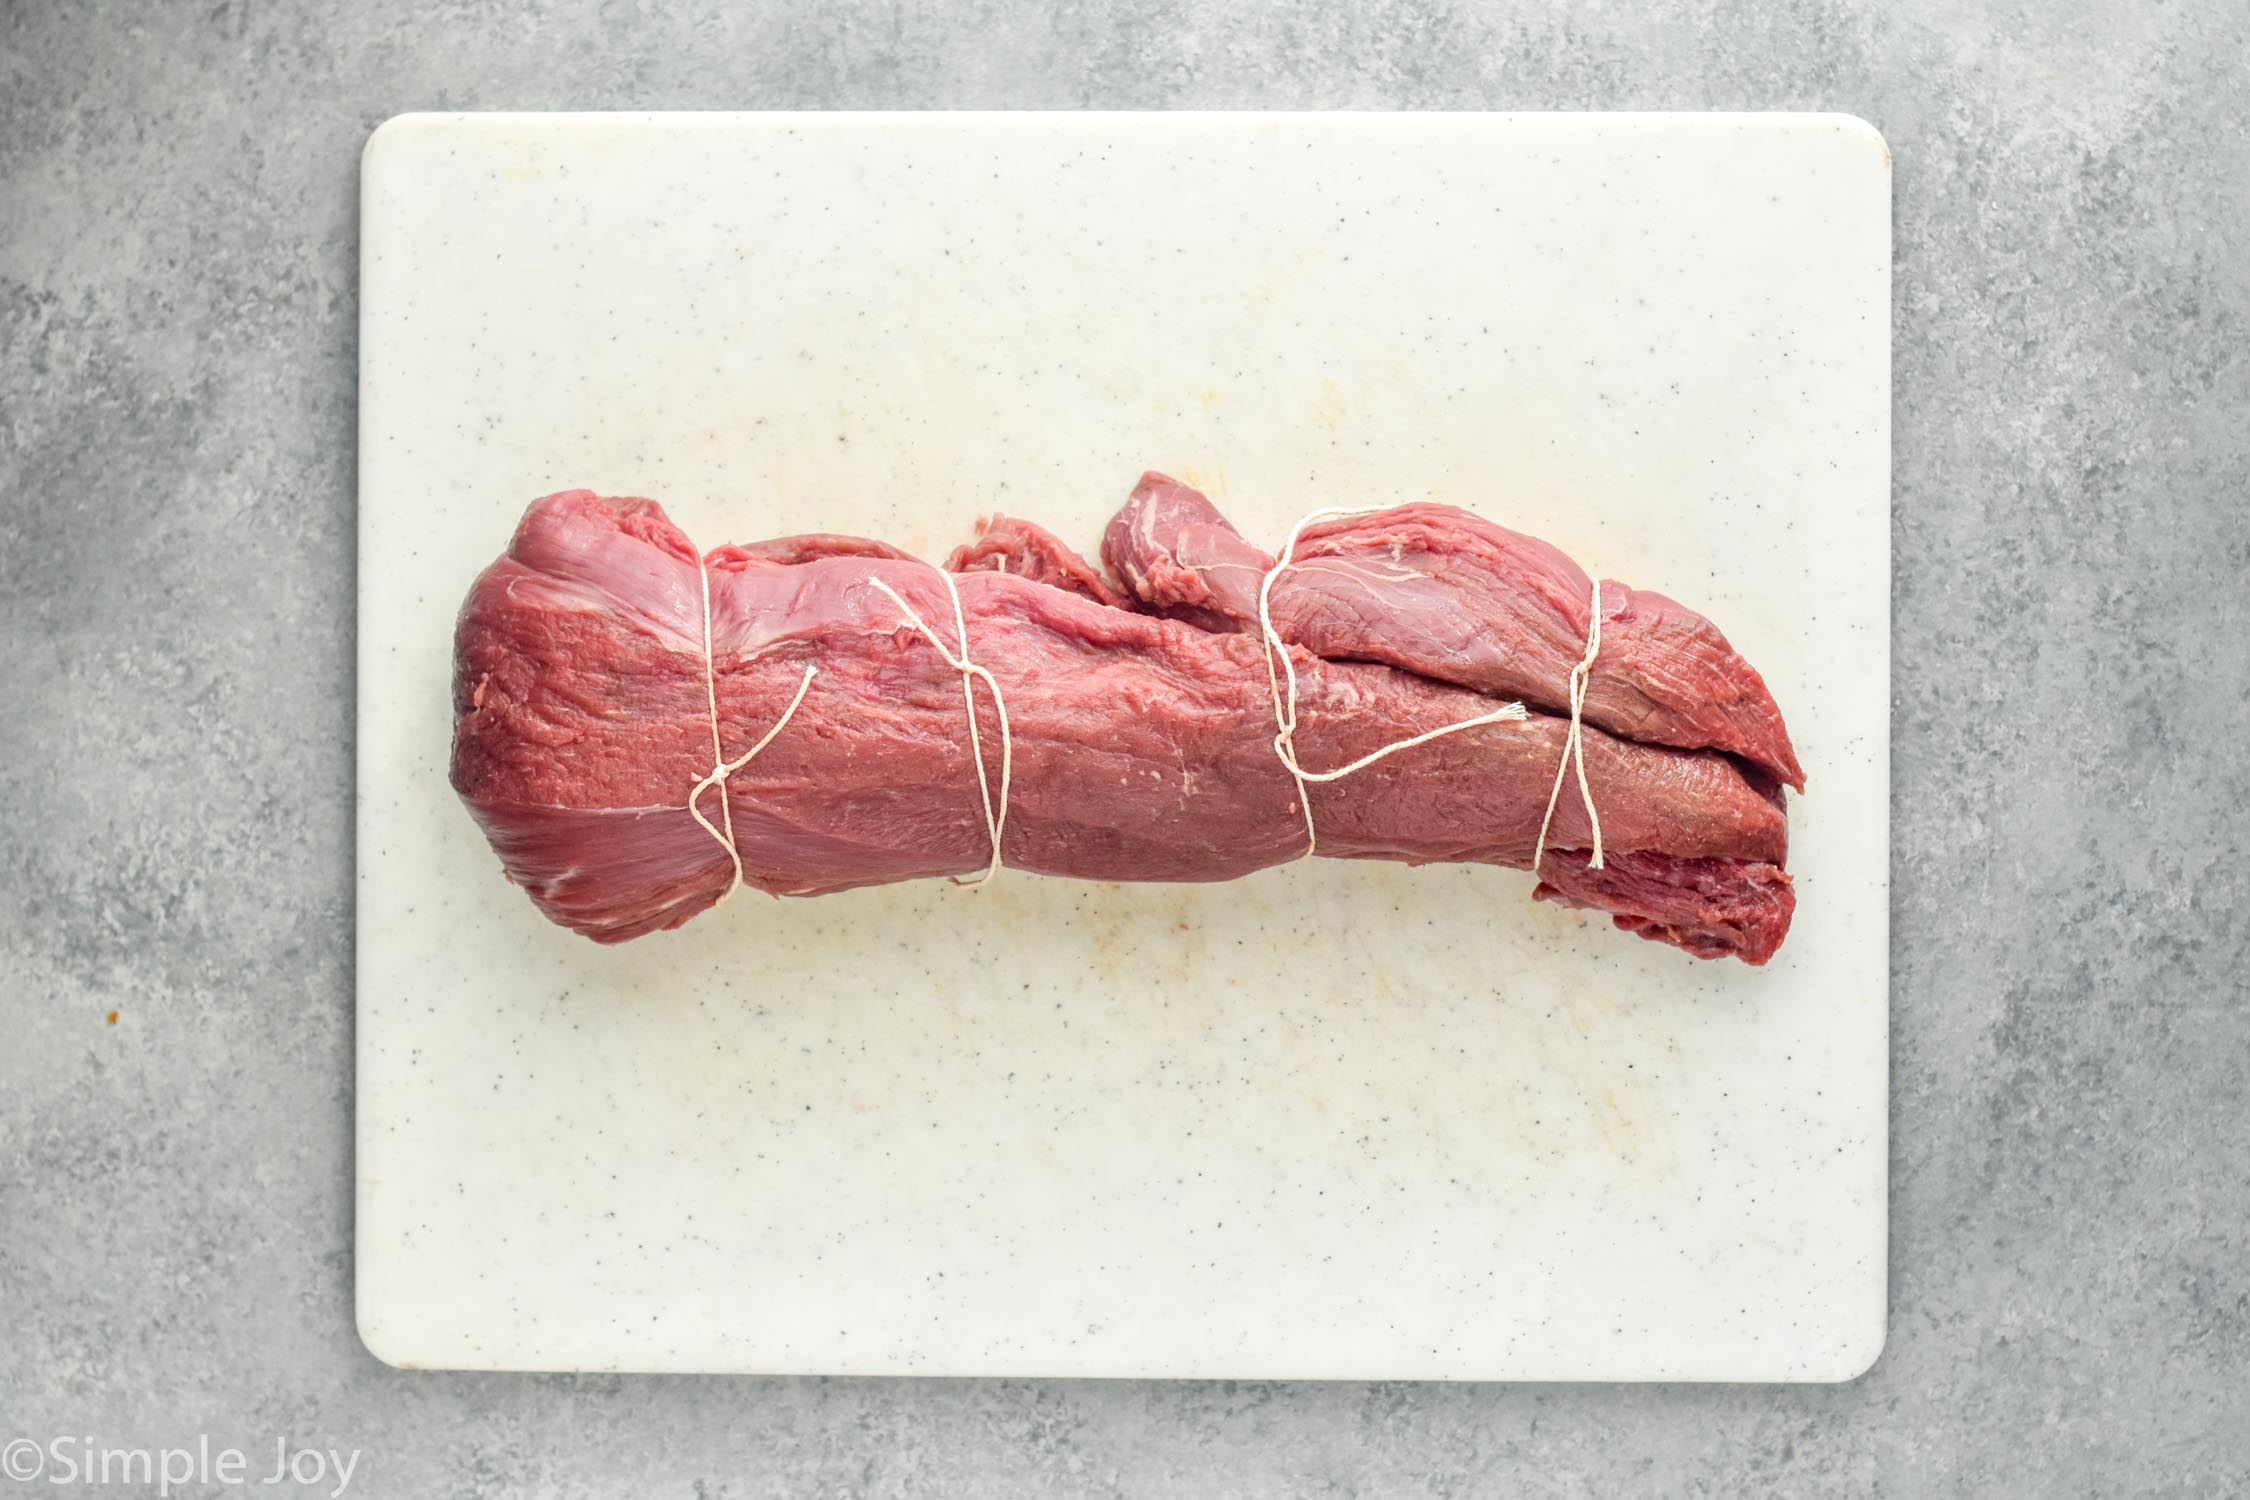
1282,684
1574,743
995,820
721,767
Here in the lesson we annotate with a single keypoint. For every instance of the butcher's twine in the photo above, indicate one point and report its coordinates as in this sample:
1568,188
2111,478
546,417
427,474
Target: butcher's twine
721,767
1574,744
1282,683
995,819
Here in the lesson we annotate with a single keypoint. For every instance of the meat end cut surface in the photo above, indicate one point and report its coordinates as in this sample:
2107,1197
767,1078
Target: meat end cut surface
1140,721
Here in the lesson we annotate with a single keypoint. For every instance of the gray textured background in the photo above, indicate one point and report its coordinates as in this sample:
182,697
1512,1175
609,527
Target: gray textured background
2070,1297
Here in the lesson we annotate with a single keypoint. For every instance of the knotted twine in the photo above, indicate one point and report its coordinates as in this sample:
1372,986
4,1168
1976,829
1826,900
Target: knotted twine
995,820
721,767
1574,743
1282,684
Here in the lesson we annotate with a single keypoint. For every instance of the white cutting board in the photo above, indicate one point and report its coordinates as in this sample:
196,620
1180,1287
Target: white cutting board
1337,1120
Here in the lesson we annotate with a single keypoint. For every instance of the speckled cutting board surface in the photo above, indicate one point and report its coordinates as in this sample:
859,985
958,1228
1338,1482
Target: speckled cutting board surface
1336,1120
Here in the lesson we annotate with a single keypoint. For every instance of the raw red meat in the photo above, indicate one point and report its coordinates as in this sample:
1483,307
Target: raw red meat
1008,545
1142,744
1449,595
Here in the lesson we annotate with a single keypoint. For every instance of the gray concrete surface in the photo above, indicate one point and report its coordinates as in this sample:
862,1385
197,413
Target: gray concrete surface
2071,1304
